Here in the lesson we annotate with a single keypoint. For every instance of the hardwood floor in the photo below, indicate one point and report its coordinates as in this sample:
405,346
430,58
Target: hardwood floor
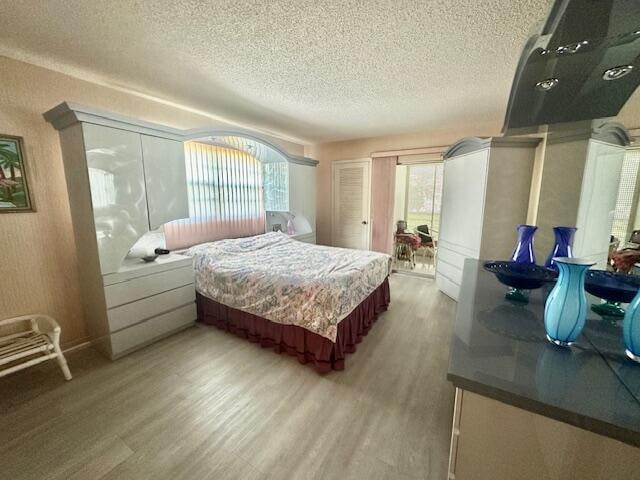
204,404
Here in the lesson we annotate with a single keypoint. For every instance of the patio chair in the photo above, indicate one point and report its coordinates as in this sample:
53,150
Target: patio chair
423,232
427,245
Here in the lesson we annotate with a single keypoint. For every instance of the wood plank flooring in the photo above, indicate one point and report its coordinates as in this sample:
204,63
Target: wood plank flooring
204,404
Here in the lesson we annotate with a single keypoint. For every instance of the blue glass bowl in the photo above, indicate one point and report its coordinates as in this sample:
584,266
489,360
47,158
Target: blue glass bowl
611,286
522,276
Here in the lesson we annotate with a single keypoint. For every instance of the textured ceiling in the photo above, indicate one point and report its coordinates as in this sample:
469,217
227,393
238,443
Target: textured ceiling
312,70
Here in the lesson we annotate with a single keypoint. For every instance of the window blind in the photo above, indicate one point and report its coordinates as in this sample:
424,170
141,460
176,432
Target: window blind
225,196
622,222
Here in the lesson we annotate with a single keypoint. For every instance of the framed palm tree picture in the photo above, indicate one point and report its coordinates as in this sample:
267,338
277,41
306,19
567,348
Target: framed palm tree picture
14,188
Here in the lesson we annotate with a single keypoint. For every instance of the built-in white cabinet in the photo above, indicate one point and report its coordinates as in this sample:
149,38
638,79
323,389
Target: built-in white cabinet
302,198
165,179
292,194
117,188
124,179
138,183
147,301
275,177
485,195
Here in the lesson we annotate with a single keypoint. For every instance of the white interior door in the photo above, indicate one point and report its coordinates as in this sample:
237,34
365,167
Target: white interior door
351,195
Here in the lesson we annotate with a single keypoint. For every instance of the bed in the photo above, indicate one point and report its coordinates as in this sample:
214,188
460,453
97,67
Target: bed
310,301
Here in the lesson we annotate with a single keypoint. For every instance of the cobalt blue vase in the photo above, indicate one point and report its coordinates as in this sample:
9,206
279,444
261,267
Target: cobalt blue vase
523,253
565,312
631,329
563,245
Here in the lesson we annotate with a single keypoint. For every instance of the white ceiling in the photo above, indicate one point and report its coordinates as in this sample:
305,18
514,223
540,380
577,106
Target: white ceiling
313,70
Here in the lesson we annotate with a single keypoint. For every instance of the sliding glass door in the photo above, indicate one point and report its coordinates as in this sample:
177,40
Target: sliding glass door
419,195
418,201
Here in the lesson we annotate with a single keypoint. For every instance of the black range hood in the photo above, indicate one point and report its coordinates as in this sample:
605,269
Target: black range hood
583,65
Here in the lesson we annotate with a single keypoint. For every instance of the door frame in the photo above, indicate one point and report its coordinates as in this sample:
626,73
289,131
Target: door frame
367,202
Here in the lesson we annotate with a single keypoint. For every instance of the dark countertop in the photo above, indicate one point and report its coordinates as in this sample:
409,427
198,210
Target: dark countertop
499,350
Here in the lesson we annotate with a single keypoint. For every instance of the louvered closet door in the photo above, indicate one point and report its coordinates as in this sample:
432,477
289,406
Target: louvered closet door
351,185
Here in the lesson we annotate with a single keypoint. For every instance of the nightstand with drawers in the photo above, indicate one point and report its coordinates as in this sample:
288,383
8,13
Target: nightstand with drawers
147,301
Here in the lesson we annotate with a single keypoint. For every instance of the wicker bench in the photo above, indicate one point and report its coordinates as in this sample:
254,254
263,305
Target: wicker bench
39,342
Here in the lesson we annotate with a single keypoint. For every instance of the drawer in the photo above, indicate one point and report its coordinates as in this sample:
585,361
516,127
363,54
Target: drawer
134,267
447,287
144,333
135,312
142,287
454,257
452,272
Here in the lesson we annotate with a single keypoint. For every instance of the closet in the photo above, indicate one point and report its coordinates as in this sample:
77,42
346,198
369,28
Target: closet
486,188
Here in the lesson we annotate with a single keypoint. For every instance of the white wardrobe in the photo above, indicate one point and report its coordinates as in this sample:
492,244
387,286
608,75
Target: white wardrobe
486,190
124,180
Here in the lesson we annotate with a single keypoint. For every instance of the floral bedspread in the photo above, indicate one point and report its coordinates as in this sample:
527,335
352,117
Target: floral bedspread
287,281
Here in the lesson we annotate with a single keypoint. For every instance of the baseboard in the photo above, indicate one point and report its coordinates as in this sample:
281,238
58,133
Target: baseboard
79,346
424,276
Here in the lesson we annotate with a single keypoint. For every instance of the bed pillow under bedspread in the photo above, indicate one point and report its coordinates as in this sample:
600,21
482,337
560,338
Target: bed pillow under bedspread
287,281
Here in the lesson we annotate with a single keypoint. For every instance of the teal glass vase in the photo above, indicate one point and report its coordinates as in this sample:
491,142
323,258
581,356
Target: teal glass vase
565,311
631,329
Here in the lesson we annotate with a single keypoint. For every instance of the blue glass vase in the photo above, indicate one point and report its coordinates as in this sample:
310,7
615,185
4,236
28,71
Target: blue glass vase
565,312
523,253
631,329
563,245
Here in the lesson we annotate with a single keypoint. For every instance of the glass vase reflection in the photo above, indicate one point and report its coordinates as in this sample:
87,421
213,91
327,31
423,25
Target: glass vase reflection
563,245
565,311
631,329
615,288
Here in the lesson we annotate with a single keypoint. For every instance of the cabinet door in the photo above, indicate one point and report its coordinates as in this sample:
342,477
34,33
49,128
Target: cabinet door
463,197
116,177
310,196
166,180
302,194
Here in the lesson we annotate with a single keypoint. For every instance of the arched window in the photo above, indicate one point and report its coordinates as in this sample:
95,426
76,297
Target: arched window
226,177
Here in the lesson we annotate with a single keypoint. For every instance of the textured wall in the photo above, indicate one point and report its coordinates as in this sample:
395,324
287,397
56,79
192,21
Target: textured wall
38,266
317,70
326,153
362,148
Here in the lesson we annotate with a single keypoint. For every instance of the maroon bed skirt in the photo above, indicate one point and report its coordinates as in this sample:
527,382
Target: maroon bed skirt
309,347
